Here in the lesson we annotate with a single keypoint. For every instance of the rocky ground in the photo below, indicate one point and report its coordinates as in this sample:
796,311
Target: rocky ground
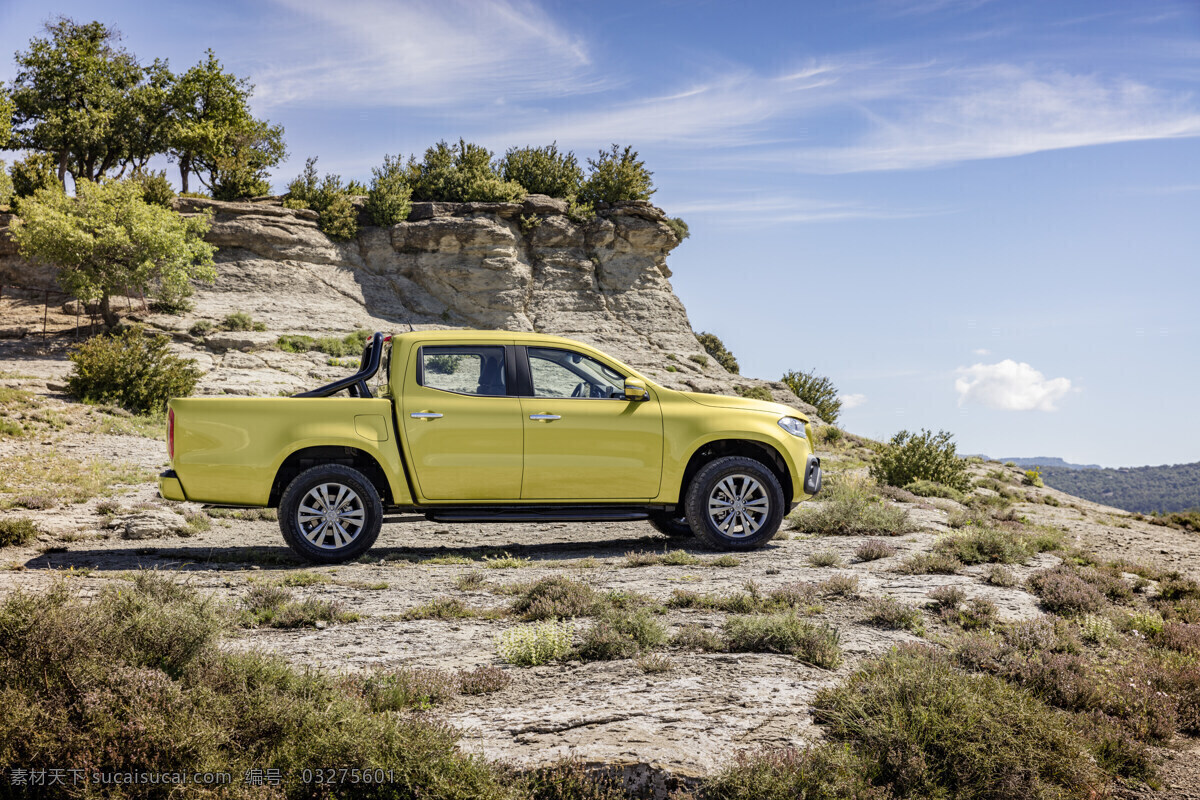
84,475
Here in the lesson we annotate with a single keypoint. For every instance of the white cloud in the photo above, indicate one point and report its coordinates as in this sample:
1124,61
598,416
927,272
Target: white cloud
378,53
757,211
1010,386
850,401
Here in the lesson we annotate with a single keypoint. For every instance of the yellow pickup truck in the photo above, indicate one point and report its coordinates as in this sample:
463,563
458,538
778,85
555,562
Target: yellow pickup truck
493,426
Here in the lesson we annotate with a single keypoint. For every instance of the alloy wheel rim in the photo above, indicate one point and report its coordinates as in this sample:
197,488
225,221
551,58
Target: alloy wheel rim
331,516
738,506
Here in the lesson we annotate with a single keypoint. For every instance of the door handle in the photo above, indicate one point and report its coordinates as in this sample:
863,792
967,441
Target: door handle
545,417
425,415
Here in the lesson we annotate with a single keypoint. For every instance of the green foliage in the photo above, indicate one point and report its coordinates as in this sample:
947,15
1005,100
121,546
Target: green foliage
17,531
716,348
135,679
927,456
925,488
444,364
108,239
555,597
621,633
337,216
987,546
678,227
461,173
888,612
131,370
1033,477
812,643
535,644
352,344
273,606
817,772
156,189
873,550
928,730
241,321
6,112
930,564
542,170
850,508
699,359
6,185
816,390
35,171
388,199
754,393
617,175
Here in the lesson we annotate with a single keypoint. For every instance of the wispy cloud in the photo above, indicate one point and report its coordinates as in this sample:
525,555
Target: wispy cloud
850,401
749,212
377,53
1009,386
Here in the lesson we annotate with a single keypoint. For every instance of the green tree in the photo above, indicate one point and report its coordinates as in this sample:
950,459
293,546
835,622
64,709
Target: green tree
6,184
213,134
461,173
816,390
6,112
80,97
337,216
617,175
925,456
35,171
716,348
108,239
389,195
543,170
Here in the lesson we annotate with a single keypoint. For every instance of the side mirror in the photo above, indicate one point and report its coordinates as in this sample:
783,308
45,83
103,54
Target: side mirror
635,390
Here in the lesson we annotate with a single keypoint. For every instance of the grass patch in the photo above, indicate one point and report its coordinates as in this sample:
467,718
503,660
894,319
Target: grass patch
556,597
852,508
888,612
440,608
273,606
248,514
930,564
407,689
1000,575
987,546
621,633
825,558
505,561
874,550
484,679
70,480
724,561
671,558
812,643
471,581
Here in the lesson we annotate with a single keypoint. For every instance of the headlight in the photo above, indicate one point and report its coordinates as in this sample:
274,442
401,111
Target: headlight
793,426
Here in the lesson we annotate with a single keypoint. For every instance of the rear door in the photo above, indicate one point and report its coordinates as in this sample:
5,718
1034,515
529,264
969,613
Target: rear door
583,439
463,427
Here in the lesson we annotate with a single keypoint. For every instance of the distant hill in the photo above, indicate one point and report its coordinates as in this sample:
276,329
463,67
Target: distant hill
1048,462
1174,487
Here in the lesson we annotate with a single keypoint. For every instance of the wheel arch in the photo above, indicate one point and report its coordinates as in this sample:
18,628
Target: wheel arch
306,457
750,448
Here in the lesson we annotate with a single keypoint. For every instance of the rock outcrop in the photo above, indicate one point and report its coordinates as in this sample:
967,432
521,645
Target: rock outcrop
524,266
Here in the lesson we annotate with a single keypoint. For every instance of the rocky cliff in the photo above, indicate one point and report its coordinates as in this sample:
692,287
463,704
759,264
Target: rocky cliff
513,266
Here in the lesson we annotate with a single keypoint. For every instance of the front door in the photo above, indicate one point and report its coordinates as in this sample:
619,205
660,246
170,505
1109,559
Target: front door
583,439
463,429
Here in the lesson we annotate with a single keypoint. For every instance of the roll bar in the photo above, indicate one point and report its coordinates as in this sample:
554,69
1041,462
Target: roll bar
356,384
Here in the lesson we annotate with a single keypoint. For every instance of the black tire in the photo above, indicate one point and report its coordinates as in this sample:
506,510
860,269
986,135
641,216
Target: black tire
750,481
320,543
673,526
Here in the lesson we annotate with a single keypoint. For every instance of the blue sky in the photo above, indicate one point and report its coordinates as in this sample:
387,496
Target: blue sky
979,216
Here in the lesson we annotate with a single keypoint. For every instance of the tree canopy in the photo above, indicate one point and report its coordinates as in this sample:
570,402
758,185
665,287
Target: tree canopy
107,239
81,98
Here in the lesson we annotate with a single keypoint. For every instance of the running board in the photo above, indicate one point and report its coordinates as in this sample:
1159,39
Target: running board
538,514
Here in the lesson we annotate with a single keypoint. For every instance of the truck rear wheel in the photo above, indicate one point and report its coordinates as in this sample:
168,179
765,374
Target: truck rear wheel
734,503
330,513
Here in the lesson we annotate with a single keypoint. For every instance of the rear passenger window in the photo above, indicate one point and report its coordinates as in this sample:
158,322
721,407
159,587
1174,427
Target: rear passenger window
464,370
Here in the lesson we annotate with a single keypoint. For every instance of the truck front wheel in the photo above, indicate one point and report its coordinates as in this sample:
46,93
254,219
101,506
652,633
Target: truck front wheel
734,503
330,513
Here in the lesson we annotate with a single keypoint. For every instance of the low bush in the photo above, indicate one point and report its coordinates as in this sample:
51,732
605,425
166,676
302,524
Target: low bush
874,550
329,197
389,198
131,370
825,558
817,772
443,607
816,390
17,531
692,636
839,586
849,508
986,546
1096,628
616,175
1000,575
543,170
273,606
754,392
928,456
461,173
680,229
830,434
930,564
1063,591
888,612
716,348
535,644
928,730
407,689
621,634
1033,477
947,596
155,187
556,597
813,643
484,679
924,488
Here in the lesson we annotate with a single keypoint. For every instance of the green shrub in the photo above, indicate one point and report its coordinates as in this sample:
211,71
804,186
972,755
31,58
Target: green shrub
926,456
830,434
999,575
680,229
928,730
445,364
874,550
17,530
238,321
389,198
542,170
699,359
812,643
986,546
621,634
201,328
888,612
35,171
156,188
539,643
134,679
817,772
716,348
617,175
302,191
338,219
1063,591
554,598
272,606
460,173
755,393
849,508
930,564
336,215
1033,477
407,688
816,390
131,370
6,185
296,344
825,558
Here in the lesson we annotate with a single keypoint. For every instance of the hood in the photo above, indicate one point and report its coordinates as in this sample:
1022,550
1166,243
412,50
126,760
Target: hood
743,404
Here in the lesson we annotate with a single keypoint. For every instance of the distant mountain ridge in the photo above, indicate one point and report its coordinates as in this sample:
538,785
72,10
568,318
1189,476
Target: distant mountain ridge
1049,462
1171,487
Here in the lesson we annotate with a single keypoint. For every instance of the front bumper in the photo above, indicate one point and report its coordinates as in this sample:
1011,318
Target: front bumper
812,475
170,487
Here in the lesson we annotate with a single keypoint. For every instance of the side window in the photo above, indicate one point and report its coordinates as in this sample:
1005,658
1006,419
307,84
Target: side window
564,373
463,370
